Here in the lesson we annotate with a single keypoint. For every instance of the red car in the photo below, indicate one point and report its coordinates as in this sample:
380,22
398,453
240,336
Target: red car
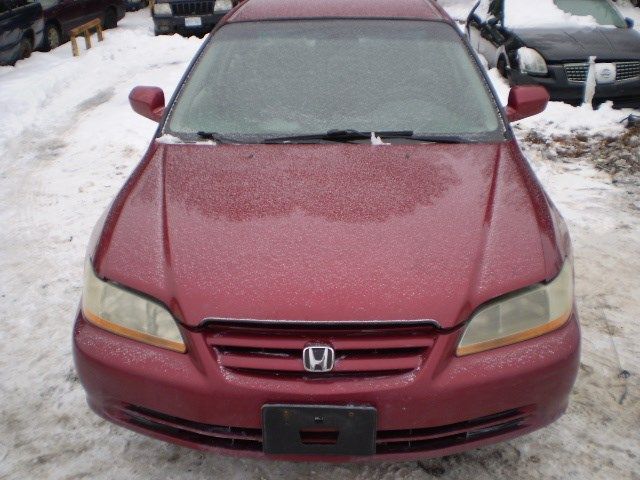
333,249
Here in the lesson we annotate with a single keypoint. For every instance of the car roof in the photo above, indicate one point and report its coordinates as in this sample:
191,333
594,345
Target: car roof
255,10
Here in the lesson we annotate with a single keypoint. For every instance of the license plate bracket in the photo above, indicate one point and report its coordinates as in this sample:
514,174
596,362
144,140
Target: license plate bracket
319,430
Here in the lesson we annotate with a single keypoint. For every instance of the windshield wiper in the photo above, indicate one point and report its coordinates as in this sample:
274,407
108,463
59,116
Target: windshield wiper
440,139
338,136
350,135
218,138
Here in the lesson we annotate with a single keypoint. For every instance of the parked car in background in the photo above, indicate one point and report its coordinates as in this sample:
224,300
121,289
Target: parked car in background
549,42
21,27
333,249
63,15
188,17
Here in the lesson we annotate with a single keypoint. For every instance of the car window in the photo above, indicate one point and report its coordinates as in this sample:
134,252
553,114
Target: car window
306,77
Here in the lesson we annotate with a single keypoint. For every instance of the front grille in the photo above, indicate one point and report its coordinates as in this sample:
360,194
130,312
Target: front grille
627,70
387,441
577,72
360,350
434,438
192,8
201,433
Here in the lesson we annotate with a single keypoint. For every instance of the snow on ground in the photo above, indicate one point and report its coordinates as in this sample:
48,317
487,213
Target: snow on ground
68,140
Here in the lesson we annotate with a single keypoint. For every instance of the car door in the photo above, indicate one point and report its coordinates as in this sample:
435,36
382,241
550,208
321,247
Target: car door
75,13
94,9
485,31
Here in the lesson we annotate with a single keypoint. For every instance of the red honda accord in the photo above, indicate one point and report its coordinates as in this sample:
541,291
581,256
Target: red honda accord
333,249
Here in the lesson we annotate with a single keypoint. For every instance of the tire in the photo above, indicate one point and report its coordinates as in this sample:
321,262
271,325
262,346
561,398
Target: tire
110,19
52,37
26,48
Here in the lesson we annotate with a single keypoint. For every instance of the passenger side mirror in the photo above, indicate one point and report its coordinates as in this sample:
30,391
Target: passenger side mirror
630,22
148,102
526,101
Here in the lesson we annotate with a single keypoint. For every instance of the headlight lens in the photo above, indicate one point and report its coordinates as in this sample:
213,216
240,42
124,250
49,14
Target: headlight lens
222,5
520,316
127,314
531,61
162,9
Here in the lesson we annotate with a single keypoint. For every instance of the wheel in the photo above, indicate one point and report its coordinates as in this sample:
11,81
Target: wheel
26,48
502,67
52,37
110,19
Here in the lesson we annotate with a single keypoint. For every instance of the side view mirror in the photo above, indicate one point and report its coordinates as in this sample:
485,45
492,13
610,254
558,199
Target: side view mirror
526,101
630,22
148,102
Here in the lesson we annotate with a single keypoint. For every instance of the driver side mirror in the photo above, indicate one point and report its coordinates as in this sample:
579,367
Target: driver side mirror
526,101
630,22
148,102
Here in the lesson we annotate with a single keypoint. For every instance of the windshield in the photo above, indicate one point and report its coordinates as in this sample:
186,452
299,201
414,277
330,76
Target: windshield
560,13
601,10
305,77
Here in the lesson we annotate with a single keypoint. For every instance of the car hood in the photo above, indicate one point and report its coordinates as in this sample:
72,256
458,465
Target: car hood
329,232
578,44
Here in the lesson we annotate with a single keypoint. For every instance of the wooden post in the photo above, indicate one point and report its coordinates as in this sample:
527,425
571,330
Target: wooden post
87,39
74,46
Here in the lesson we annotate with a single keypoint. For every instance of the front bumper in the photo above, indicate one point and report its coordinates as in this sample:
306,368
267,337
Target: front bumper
448,405
625,93
176,24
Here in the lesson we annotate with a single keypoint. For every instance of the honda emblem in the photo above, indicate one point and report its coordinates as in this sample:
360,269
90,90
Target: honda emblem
318,358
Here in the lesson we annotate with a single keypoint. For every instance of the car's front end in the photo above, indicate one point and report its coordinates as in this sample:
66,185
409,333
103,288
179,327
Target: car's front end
559,60
566,81
258,288
188,17
428,401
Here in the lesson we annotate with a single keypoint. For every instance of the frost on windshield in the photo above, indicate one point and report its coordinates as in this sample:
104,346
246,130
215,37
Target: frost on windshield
285,78
555,13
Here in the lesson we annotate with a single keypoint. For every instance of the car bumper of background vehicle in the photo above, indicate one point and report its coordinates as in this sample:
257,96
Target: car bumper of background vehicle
450,405
176,24
622,93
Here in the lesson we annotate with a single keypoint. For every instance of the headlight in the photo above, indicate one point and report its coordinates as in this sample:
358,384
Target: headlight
531,61
222,5
520,316
127,314
162,9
